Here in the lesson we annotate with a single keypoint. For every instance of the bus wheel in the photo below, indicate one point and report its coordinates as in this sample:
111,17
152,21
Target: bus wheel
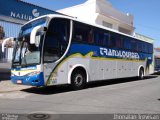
78,80
141,74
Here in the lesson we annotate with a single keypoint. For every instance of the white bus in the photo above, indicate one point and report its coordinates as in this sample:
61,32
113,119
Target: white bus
56,49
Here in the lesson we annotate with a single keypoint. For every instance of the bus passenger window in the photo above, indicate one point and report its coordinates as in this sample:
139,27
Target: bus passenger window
133,45
139,46
101,37
106,39
145,47
78,37
82,33
127,43
150,48
90,37
112,41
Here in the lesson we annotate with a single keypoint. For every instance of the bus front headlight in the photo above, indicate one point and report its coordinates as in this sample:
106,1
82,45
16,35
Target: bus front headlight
12,75
33,73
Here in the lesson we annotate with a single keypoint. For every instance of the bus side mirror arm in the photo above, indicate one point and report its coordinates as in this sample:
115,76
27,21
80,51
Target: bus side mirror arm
5,41
34,32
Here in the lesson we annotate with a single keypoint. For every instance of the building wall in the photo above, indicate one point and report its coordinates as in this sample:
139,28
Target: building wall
10,29
14,13
84,12
101,12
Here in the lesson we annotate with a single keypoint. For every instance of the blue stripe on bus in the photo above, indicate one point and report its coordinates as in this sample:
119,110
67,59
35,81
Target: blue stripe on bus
85,49
25,68
35,80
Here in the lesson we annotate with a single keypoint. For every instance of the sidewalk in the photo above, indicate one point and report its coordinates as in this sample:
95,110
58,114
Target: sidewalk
8,86
6,65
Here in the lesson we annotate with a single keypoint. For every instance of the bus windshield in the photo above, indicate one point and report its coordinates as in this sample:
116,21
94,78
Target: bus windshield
26,29
26,54
56,39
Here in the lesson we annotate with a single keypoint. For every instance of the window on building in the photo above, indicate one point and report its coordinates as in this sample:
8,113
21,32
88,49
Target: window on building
123,30
106,24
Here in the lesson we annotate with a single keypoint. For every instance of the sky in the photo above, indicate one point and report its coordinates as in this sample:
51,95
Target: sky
146,13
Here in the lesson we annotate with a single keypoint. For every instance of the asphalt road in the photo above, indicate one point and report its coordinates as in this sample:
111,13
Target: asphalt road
114,96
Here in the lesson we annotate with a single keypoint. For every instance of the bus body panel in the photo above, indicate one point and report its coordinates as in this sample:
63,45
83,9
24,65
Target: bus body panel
48,68
60,74
98,68
100,61
32,75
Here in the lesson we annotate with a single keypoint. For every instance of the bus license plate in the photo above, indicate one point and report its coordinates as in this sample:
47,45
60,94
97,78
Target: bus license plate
19,81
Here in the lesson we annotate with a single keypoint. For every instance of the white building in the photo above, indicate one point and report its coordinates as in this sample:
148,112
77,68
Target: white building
101,12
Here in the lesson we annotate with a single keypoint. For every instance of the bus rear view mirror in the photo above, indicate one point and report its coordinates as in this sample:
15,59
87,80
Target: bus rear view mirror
37,40
34,33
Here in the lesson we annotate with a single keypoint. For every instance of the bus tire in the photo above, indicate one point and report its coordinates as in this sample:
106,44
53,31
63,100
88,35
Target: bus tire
78,79
141,74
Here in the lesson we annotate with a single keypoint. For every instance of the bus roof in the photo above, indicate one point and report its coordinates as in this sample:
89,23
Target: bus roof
95,25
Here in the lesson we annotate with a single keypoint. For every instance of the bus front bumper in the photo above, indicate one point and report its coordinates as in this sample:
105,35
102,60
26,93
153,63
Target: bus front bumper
35,80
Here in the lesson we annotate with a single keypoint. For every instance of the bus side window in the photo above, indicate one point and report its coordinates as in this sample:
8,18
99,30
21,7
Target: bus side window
98,36
139,46
144,47
90,37
101,37
150,48
126,41
56,40
118,41
133,45
115,40
106,39
82,33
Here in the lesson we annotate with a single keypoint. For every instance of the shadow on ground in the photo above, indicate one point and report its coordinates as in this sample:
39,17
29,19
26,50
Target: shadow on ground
156,73
62,89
